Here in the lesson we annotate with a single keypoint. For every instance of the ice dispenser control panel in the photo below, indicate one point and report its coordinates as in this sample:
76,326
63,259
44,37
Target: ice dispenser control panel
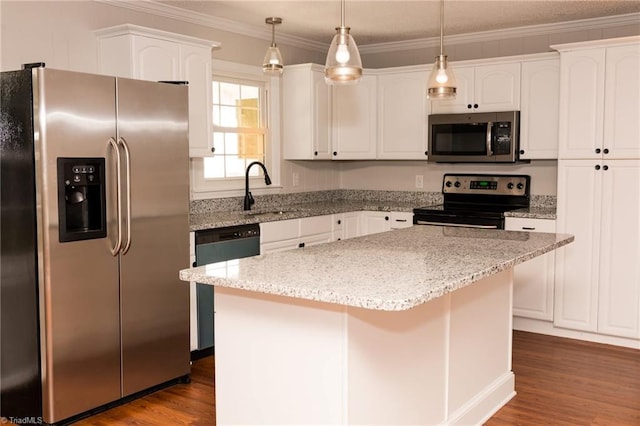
81,199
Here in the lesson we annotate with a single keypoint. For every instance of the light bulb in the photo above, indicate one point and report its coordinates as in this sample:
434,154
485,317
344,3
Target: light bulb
342,54
441,77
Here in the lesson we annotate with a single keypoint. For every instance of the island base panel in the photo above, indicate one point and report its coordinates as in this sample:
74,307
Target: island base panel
281,360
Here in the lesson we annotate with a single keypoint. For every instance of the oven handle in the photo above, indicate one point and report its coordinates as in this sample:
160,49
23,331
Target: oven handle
489,138
460,225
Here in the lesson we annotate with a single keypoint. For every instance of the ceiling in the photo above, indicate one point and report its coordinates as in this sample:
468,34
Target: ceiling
379,21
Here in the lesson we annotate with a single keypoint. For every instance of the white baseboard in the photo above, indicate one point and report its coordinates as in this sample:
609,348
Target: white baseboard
547,327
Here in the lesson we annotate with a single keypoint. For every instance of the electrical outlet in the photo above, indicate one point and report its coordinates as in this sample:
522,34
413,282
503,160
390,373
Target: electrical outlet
295,179
419,181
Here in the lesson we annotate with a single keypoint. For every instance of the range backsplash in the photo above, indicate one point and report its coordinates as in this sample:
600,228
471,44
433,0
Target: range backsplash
279,200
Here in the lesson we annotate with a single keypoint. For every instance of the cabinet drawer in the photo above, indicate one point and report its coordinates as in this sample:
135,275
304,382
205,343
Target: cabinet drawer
401,220
531,225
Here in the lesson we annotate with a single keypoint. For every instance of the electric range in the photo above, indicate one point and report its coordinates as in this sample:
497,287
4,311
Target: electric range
476,200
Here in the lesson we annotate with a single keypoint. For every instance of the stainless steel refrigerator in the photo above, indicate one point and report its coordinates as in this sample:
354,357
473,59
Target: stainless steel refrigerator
94,229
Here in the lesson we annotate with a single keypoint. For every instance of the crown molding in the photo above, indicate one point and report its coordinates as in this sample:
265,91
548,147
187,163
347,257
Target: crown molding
483,36
172,12
222,24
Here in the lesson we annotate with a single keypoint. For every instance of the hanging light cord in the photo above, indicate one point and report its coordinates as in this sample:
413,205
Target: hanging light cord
342,13
441,26
273,34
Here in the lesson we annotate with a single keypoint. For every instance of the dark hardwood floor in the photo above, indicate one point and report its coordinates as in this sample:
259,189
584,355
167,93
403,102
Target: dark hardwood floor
558,381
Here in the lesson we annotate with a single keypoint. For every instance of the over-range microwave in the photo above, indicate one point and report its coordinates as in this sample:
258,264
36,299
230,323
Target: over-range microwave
482,137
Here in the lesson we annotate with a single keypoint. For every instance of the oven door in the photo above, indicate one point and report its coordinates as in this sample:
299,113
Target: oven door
458,220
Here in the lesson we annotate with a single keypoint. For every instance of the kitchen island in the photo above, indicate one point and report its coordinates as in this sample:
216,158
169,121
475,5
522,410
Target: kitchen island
411,326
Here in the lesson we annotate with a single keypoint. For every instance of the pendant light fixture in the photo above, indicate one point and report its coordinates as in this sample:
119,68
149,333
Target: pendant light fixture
343,64
442,82
273,59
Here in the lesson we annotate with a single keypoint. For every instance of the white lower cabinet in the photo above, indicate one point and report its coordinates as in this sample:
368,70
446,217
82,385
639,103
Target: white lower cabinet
375,222
309,231
533,280
295,233
598,275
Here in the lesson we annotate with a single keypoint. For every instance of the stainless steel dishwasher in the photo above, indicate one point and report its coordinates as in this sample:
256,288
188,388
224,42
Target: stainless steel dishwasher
218,245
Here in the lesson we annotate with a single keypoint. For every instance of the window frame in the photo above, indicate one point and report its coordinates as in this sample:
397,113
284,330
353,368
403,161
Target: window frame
202,188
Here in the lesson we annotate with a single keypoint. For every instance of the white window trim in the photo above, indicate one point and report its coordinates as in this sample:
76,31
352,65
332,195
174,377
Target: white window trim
202,189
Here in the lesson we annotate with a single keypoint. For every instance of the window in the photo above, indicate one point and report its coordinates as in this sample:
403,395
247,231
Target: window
238,130
245,128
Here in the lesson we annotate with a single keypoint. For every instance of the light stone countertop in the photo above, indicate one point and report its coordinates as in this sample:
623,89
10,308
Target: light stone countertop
219,219
390,271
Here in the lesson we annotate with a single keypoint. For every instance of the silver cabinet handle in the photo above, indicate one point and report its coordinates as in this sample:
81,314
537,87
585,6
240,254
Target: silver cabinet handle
125,147
116,248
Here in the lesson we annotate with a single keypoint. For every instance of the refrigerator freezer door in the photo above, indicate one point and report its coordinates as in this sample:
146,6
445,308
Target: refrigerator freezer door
153,137
79,295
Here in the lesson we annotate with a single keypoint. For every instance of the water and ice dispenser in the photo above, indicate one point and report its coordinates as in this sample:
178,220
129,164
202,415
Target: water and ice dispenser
81,199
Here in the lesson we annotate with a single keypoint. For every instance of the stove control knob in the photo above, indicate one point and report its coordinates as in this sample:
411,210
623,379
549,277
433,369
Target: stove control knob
510,185
448,184
520,185
457,184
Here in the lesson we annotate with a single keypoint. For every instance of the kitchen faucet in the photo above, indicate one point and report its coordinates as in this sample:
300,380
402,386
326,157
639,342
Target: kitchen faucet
248,198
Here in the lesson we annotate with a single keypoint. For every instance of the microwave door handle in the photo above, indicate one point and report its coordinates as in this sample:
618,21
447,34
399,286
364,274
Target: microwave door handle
489,139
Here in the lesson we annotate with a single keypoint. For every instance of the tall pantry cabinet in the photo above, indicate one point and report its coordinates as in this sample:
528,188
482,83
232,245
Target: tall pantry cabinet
598,275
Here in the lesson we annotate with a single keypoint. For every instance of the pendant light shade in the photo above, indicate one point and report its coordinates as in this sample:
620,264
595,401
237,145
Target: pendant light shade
442,82
272,63
343,65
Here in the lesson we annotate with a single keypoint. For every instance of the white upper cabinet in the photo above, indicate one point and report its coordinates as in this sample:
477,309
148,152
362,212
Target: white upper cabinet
403,111
483,88
622,101
539,115
148,54
353,120
600,101
305,113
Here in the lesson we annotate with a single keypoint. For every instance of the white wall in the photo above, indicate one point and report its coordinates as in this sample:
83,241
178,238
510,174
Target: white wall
401,175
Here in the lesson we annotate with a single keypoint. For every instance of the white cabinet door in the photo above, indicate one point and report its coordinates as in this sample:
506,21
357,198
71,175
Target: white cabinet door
156,59
315,240
305,109
316,225
619,296
577,264
375,222
622,102
346,225
278,246
533,280
403,111
483,88
497,87
540,94
581,103
353,120
196,69
280,230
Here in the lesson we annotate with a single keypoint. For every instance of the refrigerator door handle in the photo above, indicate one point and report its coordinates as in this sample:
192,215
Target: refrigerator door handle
123,142
118,245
